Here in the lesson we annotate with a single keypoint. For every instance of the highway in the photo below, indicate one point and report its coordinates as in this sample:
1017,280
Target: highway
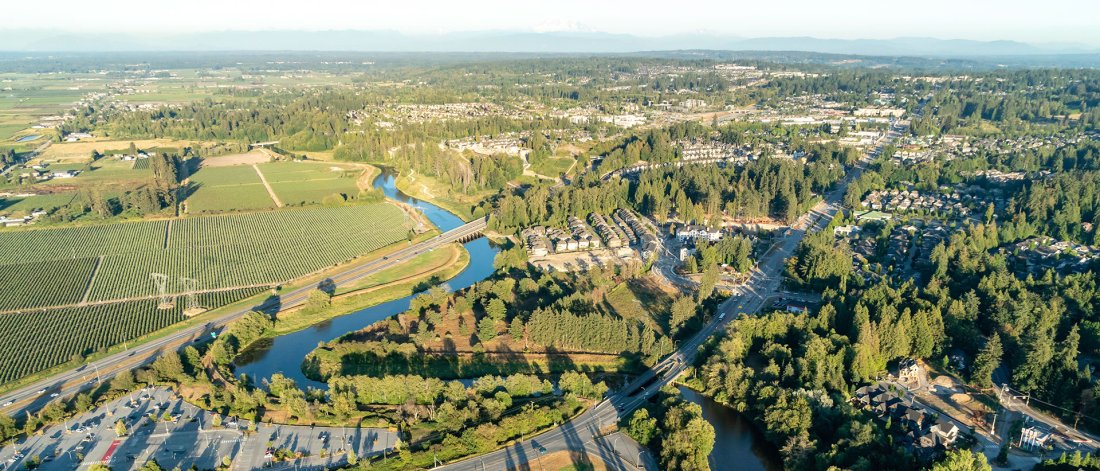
583,431
36,395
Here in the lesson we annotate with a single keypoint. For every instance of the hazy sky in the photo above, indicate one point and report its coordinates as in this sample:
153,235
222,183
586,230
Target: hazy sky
1025,20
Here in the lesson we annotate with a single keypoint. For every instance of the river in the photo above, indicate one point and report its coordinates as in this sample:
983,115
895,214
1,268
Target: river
738,445
284,354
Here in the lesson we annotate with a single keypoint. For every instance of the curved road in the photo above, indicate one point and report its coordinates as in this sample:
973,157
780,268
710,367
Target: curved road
36,395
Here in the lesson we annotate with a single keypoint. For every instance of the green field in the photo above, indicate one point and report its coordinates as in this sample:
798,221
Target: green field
298,183
642,300
217,251
552,166
46,283
34,341
223,189
30,203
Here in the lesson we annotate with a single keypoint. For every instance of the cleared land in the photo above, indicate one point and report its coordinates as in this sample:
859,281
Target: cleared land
217,251
34,341
255,156
643,299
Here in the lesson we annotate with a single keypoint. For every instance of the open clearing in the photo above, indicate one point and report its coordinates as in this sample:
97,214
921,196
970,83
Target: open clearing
255,156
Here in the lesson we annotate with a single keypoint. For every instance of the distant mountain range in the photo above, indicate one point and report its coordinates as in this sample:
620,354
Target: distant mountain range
507,41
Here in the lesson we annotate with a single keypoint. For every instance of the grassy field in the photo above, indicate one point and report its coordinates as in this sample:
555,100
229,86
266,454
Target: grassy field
223,189
642,299
238,187
300,183
390,284
552,166
82,151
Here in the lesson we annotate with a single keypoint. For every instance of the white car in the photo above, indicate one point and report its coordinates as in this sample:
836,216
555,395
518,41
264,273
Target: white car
54,395
6,404
41,391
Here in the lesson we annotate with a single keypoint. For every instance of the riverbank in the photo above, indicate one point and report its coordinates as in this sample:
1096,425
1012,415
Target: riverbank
424,188
739,444
397,282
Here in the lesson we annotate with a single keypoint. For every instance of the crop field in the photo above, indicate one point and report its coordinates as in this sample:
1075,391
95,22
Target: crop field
34,341
223,189
22,284
308,183
217,251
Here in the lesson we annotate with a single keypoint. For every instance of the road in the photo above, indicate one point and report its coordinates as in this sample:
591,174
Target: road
583,431
36,395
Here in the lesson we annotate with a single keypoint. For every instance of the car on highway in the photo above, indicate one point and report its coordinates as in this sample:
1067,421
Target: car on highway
8,403
41,391
54,395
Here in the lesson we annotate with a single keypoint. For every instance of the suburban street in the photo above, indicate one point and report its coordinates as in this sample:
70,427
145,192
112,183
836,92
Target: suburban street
36,395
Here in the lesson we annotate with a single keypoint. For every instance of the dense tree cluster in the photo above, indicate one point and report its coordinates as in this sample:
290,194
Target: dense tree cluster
792,374
676,430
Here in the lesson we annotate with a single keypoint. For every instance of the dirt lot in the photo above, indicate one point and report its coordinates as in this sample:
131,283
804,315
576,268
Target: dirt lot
582,260
255,156
564,460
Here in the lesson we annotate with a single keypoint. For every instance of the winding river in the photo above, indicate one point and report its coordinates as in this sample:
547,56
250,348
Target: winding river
738,445
284,354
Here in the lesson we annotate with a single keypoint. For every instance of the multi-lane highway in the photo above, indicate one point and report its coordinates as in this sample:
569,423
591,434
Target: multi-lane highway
36,395
585,430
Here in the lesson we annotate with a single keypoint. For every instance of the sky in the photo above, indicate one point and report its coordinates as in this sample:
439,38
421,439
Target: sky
1035,21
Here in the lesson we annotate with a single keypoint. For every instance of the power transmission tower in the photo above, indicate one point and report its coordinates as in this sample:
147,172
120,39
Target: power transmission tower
161,281
189,287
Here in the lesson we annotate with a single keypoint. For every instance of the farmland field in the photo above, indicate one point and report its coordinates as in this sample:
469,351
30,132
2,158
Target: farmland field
34,341
223,189
47,283
308,183
217,251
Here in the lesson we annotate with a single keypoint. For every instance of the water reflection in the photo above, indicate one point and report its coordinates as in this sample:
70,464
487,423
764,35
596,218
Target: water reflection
738,445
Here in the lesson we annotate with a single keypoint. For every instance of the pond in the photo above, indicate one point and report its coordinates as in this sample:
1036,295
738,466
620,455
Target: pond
738,445
284,354
28,138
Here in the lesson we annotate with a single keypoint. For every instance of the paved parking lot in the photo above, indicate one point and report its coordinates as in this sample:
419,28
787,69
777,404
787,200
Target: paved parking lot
186,438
